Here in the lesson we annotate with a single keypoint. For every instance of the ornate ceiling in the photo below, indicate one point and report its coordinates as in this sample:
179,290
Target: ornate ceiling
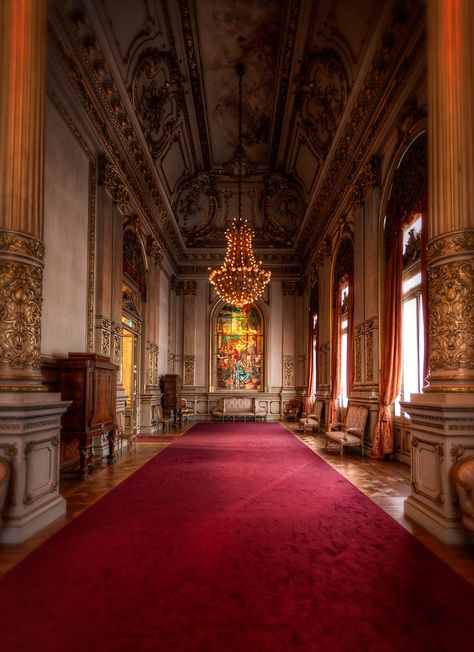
158,80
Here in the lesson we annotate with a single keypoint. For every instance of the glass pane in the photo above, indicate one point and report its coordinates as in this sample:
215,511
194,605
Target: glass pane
412,282
239,348
410,349
343,396
421,344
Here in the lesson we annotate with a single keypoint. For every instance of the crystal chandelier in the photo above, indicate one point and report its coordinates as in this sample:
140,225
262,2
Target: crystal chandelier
241,279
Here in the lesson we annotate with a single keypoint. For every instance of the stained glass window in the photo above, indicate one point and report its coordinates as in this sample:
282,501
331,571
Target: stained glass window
239,348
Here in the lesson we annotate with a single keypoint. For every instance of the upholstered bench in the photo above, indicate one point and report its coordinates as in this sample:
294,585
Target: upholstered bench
239,407
352,431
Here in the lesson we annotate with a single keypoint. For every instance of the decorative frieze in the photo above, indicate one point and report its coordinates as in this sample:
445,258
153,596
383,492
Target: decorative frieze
117,333
289,288
21,286
152,363
451,308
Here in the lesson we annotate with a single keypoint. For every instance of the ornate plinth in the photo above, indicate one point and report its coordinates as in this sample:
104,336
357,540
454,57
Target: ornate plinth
442,433
30,426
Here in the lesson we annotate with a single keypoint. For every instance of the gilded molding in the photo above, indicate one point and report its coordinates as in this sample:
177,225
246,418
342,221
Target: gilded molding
21,244
154,250
112,182
451,306
358,359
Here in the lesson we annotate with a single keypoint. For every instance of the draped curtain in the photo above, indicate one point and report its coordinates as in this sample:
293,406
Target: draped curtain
391,357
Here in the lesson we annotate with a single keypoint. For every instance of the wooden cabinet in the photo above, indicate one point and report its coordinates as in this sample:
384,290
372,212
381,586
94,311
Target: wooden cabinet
90,382
170,388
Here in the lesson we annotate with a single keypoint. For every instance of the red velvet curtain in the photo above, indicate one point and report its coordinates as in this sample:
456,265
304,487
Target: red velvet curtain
391,355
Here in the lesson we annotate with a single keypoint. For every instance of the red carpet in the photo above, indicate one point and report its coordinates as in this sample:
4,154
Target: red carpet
236,538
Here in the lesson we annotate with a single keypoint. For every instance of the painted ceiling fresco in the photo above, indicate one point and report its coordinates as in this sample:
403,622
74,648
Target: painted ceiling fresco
247,31
317,72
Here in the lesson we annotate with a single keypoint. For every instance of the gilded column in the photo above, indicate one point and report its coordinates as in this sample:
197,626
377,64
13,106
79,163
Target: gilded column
442,418
22,84
451,200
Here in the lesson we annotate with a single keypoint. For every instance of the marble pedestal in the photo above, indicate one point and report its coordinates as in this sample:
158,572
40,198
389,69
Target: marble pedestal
30,427
442,432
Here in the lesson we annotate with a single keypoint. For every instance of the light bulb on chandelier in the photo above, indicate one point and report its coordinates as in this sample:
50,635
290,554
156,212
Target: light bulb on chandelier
241,279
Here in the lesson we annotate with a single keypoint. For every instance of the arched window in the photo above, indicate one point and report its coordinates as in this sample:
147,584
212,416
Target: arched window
344,301
239,348
403,325
413,331
342,328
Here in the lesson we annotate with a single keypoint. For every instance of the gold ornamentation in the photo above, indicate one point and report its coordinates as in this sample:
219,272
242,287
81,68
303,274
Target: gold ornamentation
369,356
20,314
154,250
358,359
196,207
189,363
157,95
112,182
451,304
321,94
288,370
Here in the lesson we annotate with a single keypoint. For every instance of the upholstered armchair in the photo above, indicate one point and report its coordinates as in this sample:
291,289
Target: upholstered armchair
352,432
463,476
311,420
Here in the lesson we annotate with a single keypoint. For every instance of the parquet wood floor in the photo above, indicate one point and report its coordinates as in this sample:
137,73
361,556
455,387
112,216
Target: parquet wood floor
386,483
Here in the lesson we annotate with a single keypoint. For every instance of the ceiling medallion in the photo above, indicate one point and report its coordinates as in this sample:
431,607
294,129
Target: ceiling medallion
241,279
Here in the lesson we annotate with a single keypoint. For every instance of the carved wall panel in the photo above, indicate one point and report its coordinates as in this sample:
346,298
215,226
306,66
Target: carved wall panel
451,303
157,96
20,312
288,370
189,364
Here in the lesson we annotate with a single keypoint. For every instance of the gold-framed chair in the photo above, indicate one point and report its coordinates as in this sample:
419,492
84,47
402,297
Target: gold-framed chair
293,409
164,422
311,420
352,431
185,411
130,437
